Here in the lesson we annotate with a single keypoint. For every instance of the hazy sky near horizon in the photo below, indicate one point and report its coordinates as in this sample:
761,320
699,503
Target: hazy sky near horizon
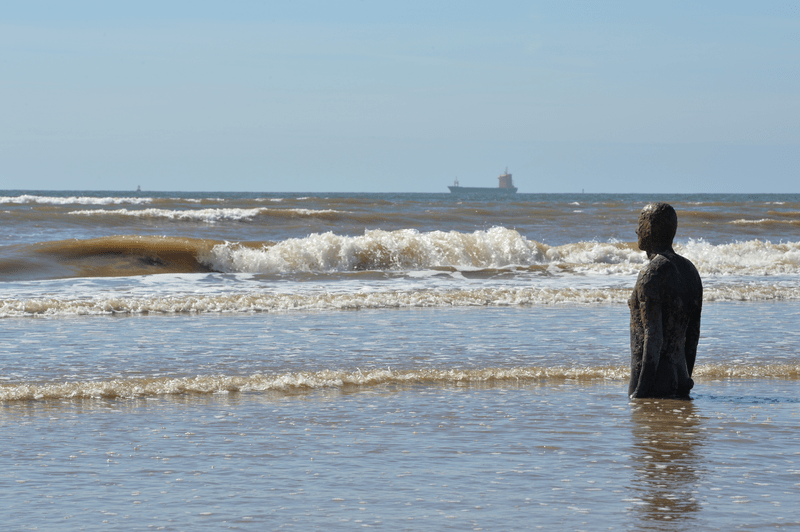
345,96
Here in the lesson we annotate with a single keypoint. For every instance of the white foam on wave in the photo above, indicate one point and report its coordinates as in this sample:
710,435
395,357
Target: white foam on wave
307,381
496,248
408,249
753,257
304,381
360,299
202,215
279,302
74,200
763,221
598,257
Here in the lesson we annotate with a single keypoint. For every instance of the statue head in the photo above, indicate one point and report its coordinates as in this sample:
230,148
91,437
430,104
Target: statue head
657,225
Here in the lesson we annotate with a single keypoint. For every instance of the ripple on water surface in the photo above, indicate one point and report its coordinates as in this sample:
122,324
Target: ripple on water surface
416,458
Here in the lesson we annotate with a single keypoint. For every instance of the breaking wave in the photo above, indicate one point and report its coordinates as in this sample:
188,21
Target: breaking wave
359,300
765,221
74,200
409,249
206,215
313,380
498,247
494,250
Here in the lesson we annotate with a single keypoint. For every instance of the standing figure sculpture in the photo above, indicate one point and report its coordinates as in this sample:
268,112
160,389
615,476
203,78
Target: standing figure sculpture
665,311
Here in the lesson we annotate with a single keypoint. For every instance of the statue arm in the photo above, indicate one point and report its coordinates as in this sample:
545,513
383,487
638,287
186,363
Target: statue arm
692,338
651,350
636,344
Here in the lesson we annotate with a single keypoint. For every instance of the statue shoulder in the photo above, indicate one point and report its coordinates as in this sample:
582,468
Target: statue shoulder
687,268
661,272
658,267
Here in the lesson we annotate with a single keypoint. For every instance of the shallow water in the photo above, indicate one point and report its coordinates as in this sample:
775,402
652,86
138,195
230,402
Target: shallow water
570,457
154,355
562,450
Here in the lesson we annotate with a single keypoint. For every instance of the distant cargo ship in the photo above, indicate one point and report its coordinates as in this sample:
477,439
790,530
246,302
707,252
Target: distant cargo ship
504,186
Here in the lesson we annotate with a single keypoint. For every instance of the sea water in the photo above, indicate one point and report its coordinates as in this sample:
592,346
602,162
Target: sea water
415,362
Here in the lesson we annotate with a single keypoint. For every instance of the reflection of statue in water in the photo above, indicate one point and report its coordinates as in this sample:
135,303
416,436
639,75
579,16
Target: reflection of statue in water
665,311
668,464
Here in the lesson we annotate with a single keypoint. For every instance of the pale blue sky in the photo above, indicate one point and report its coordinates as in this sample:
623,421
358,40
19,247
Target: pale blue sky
404,96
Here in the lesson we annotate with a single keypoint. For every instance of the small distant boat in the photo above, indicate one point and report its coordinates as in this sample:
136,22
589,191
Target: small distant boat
138,188
504,186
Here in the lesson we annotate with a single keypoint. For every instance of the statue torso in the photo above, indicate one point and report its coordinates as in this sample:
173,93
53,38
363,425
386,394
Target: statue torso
671,282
